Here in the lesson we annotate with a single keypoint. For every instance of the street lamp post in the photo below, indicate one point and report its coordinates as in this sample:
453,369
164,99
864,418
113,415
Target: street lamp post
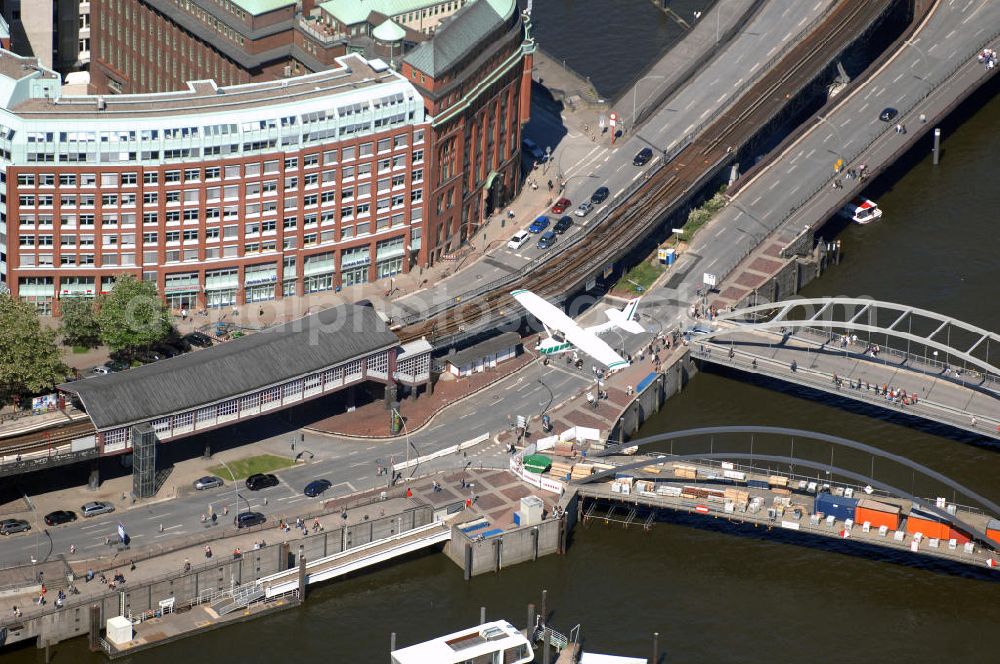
635,92
236,491
406,434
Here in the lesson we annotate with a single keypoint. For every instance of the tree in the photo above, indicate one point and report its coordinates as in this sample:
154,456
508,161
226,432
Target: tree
30,362
79,322
132,314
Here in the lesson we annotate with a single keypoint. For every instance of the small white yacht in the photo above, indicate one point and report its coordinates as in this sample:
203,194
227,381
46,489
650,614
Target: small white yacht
861,211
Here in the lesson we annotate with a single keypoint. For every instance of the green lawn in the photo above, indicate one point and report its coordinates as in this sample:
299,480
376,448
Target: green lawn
643,274
80,349
244,468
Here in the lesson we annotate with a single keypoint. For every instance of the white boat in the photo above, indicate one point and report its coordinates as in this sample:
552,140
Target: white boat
497,641
861,210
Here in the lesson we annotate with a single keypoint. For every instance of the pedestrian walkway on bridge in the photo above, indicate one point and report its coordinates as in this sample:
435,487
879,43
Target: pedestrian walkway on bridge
848,371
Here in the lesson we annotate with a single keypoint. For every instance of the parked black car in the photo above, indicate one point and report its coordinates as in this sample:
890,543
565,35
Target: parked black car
199,339
247,519
563,225
600,195
59,517
259,481
642,157
316,487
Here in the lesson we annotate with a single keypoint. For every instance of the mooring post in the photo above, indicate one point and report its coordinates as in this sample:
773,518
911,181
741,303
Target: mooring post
482,615
656,647
392,645
545,596
529,630
937,145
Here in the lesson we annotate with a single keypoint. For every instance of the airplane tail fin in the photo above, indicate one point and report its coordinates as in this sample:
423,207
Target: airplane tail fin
625,318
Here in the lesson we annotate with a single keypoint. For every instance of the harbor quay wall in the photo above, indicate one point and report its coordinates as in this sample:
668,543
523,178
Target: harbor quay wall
222,572
668,382
511,547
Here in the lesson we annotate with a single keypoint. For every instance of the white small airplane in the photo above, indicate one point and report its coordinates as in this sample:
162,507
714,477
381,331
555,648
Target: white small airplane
564,334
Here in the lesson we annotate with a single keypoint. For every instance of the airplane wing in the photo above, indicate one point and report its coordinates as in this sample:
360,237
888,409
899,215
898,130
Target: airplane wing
550,315
595,347
553,318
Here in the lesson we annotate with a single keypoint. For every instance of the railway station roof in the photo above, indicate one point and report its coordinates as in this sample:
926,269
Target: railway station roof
244,365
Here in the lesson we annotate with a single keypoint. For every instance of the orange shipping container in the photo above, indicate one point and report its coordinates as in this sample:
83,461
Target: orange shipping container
927,527
877,514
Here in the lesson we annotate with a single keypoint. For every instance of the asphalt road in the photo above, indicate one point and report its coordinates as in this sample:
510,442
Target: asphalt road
806,168
587,165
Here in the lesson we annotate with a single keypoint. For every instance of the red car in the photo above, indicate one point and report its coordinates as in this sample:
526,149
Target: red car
561,205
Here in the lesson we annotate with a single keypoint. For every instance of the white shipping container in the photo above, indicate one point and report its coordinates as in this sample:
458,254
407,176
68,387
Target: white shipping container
734,475
668,490
730,506
791,525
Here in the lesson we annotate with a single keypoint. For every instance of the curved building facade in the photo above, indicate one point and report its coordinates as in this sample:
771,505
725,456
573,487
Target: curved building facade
220,196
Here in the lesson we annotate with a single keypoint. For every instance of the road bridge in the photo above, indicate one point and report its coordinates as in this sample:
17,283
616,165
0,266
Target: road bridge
784,199
936,368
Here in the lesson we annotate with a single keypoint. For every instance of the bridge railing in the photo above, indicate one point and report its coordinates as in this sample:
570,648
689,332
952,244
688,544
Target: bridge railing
938,366
823,381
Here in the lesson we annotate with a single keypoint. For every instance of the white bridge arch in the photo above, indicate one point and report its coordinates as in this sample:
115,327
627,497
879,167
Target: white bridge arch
861,315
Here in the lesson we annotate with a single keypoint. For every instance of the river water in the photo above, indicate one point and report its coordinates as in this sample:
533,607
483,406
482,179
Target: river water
718,596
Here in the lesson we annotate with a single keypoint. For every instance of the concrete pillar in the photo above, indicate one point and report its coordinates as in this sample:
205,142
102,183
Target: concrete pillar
283,550
302,578
94,480
497,546
391,391
208,451
482,615
544,614
546,647
656,648
531,620
468,562
392,645
94,636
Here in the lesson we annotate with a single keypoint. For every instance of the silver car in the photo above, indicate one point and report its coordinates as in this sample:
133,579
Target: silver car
97,507
208,482
584,209
11,526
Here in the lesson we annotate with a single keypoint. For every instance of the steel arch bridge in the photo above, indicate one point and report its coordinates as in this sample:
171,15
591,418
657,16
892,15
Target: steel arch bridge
985,502
866,315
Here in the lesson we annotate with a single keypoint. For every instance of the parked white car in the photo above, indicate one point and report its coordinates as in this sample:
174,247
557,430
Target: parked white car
518,240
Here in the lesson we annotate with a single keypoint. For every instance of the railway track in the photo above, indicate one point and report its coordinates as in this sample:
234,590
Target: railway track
667,187
45,439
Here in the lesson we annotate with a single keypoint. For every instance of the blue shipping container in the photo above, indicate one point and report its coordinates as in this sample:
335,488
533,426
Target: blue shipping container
839,507
758,484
